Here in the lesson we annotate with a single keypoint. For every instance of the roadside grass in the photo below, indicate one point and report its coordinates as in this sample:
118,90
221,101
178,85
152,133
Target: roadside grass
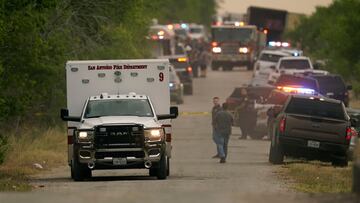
355,104
31,153
318,177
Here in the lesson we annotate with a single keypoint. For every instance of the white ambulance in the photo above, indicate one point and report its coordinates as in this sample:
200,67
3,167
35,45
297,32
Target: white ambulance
119,116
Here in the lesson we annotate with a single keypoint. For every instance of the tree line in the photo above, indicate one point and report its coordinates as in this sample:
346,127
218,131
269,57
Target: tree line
37,37
332,35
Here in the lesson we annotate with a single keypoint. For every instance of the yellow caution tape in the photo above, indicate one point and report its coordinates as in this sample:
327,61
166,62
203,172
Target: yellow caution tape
203,113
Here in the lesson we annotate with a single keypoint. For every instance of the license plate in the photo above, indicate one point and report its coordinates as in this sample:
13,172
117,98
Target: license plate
313,144
119,161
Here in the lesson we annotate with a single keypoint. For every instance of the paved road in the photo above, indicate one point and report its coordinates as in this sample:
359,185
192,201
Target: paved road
195,177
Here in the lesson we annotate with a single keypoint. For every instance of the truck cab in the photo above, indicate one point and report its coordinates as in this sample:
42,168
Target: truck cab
235,45
118,115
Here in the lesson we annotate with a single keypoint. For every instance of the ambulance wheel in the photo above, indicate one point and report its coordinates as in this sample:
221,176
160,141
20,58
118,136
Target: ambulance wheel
79,172
162,170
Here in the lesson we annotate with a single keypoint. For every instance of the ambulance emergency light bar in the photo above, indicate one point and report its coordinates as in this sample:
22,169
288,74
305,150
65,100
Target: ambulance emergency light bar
296,90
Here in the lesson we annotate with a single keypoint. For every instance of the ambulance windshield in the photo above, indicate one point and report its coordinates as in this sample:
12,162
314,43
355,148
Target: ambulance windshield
118,107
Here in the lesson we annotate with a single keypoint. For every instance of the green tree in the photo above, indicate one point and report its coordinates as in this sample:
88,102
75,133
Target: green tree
332,33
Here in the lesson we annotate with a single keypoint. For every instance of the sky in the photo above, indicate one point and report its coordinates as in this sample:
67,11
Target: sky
303,6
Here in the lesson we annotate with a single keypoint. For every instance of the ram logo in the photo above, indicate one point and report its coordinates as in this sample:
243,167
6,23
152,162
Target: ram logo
118,133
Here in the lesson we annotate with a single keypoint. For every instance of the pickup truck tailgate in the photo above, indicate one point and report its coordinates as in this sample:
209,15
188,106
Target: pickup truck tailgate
316,128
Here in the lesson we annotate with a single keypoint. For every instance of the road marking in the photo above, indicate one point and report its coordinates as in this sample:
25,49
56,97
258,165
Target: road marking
201,113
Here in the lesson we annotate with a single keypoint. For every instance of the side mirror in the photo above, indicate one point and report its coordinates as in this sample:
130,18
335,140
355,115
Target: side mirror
349,87
64,114
174,113
273,67
174,110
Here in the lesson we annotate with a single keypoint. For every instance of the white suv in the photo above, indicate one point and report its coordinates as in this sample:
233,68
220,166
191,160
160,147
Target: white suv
262,67
293,65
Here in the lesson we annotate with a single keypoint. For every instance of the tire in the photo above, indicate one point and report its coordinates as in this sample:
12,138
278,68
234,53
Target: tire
168,167
162,170
276,155
340,162
79,171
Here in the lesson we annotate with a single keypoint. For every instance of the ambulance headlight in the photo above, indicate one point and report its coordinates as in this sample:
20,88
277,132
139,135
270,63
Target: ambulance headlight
85,136
154,135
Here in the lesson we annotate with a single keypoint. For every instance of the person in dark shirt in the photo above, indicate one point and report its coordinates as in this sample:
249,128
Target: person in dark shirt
245,115
222,124
216,108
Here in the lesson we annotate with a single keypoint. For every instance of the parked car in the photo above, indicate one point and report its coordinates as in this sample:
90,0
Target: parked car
354,114
255,95
299,81
313,127
184,70
293,65
176,87
197,32
333,86
262,66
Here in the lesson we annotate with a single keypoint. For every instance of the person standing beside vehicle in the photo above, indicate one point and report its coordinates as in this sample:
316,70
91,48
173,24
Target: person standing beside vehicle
223,123
244,116
216,108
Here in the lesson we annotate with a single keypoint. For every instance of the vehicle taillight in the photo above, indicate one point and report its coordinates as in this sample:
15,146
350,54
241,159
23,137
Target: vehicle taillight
214,44
168,137
282,125
349,133
189,69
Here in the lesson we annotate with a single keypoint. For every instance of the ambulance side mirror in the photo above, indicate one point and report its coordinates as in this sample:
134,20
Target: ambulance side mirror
174,110
64,114
174,113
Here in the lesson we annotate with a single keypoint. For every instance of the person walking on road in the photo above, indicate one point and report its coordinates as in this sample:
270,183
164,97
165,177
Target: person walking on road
223,122
203,61
216,108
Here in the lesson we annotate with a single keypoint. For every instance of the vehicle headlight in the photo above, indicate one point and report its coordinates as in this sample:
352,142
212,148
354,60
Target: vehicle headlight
154,135
216,49
243,50
85,136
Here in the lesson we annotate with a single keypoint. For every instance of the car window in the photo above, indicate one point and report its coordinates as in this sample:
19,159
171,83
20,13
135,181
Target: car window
295,64
270,57
316,107
333,84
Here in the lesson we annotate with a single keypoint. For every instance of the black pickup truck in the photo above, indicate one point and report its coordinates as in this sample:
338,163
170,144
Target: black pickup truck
311,127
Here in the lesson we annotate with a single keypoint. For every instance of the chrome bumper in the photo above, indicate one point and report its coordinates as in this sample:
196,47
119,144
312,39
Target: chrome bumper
152,153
